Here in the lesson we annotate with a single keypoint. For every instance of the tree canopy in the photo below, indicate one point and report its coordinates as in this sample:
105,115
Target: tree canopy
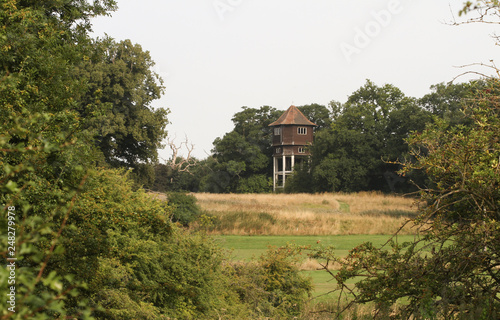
451,270
243,156
120,78
366,133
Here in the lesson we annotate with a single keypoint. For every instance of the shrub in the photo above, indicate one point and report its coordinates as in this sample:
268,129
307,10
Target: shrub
186,210
138,265
258,183
273,285
149,277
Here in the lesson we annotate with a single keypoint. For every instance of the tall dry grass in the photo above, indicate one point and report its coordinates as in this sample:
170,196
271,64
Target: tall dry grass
307,214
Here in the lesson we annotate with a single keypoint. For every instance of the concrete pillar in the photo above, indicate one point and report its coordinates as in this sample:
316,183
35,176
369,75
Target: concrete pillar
274,173
284,170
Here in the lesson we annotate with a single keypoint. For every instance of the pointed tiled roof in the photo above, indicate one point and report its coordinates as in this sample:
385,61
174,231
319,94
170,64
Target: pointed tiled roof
292,116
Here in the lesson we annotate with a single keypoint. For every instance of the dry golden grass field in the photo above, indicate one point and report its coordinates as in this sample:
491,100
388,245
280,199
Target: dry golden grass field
307,214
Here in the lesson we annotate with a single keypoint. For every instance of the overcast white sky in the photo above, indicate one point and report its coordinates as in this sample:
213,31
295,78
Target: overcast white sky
219,55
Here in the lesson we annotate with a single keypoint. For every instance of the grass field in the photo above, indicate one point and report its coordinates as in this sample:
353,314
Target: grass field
247,248
247,224
365,213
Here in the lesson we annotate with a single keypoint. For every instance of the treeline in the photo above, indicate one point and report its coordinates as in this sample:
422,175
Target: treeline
359,145
84,240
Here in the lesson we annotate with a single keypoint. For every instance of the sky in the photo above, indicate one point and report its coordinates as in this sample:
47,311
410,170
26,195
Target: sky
216,56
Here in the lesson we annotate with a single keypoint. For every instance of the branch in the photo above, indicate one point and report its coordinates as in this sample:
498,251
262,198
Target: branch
492,66
177,163
485,12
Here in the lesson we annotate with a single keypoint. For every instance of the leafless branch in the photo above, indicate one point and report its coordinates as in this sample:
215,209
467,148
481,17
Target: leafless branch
177,162
491,66
486,13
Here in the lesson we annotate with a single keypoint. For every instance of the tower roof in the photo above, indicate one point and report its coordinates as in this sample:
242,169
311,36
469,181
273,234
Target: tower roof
292,116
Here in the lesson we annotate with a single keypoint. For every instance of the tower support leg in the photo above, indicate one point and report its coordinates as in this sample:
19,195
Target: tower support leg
283,172
274,173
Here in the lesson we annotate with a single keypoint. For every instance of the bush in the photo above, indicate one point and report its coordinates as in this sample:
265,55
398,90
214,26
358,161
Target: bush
186,210
273,285
176,277
138,265
300,181
258,183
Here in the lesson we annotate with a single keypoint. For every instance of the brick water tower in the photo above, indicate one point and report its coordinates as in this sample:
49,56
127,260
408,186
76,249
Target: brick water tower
292,133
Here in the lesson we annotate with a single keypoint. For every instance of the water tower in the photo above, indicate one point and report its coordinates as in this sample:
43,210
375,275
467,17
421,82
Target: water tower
292,133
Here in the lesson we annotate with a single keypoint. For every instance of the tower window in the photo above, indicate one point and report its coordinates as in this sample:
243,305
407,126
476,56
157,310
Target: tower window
302,130
278,150
277,131
302,150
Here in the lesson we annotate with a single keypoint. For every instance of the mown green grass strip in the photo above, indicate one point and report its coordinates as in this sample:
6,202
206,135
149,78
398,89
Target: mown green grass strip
248,247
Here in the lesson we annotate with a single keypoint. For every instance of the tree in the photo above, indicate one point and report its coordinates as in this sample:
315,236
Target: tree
128,130
252,124
317,114
451,270
447,100
44,156
186,210
179,173
243,156
168,179
238,159
181,164
368,130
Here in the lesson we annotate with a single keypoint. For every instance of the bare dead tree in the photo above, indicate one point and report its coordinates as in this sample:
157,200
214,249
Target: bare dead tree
181,163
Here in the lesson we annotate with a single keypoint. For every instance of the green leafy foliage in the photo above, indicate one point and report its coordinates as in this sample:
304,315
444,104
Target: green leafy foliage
273,285
168,179
243,153
126,128
43,153
451,271
180,277
446,101
317,114
186,210
258,183
288,289
366,132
